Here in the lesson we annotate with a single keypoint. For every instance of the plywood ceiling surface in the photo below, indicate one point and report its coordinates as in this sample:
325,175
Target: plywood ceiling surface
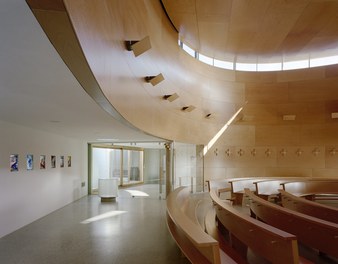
238,28
256,28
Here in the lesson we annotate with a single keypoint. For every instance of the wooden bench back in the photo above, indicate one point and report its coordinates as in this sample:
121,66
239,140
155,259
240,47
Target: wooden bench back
312,186
305,206
238,185
270,186
275,245
311,231
196,245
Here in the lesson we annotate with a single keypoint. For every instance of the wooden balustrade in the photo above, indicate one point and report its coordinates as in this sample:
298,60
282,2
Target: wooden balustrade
271,243
307,207
196,245
313,232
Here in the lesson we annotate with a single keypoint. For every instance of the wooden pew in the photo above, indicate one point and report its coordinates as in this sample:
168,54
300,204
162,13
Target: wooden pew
313,232
221,185
313,189
271,243
238,186
269,187
195,244
305,206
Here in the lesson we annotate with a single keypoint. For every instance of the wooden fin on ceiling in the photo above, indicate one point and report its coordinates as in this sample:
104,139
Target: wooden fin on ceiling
54,5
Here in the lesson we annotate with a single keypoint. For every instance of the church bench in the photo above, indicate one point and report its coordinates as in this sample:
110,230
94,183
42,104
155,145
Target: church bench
246,232
196,245
269,187
313,189
237,188
305,206
313,232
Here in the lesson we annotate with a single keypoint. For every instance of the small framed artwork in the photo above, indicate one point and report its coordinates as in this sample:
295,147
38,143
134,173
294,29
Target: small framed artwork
42,162
14,162
62,161
69,161
29,161
53,161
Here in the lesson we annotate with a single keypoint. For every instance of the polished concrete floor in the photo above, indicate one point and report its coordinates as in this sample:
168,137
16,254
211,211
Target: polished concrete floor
130,230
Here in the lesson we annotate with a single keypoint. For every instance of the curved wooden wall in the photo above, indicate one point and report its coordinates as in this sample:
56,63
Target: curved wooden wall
258,143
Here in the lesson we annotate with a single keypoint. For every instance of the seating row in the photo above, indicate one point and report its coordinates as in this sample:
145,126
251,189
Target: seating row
311,231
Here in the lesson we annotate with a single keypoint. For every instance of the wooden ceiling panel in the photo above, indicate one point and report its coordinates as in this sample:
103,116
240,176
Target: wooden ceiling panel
220,9
182,6
257,28
309,94
211,33
308,25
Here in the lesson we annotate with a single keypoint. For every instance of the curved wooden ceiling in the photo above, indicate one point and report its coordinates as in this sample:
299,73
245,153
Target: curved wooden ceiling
255,28
101,28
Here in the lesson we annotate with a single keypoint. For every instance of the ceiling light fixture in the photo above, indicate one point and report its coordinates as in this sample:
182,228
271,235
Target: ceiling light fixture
188,108
334,115
154,80
138,46
171,97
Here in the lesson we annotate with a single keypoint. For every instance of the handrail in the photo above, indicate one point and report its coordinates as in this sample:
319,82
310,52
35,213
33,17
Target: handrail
311,187
314,232
307,207
201,248
275,245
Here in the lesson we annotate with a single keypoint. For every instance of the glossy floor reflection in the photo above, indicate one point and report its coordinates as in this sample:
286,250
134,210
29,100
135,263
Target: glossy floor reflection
130,230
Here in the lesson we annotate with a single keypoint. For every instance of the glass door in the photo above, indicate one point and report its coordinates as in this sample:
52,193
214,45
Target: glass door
132,166
110,162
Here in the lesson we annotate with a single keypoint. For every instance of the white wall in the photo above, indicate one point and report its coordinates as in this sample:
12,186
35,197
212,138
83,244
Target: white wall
29,195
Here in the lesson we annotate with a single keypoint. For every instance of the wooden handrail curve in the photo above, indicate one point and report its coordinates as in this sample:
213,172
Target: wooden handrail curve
196,245
307,207
275,245
311,231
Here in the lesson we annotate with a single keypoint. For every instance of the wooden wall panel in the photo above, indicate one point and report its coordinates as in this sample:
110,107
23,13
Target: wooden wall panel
244,172
331,157
268,93
312,91
325,173
277,135
300,75
301,157
238,136
288,172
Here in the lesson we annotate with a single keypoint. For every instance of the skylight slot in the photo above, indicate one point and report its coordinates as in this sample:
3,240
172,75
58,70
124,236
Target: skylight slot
298,62
293,65
205,59
269,66
246,66
324,61
189,50
228,65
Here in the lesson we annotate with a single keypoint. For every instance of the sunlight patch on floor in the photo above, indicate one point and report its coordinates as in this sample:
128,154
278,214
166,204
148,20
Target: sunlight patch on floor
136,193
103,216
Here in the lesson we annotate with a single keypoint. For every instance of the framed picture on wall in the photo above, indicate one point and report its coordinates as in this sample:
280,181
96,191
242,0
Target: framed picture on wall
29,162
14,162
42,162
62,161
69,161
53,161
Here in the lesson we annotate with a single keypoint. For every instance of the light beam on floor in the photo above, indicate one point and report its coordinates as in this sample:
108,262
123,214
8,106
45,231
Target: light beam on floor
103,216
135,193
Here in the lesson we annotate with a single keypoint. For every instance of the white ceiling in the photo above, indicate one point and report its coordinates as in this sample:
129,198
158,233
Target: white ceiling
38,90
